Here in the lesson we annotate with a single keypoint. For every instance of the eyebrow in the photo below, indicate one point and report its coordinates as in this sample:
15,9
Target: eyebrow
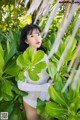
35,33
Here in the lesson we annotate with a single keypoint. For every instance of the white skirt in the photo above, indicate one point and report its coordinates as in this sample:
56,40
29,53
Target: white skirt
31,98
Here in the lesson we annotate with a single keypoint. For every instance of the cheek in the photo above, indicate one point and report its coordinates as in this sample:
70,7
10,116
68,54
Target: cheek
28,41
31,42
40,38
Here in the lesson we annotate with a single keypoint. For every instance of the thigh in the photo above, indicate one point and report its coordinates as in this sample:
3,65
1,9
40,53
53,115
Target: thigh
31,113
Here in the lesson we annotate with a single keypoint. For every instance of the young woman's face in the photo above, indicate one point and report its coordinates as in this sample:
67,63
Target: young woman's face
34,39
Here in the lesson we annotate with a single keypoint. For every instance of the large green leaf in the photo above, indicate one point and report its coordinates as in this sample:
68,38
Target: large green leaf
1,64
55,96
59,84
76,102
39,66
52,70
15,115
11,52
41,108
31,62
20,76
7,87
1,95
33,76
52,38
6,97
70,52
18,92
54,60
37,56
60,49
6,107
1,51
21,62
78,116
1,61
11,68
8,46
27,55
54,110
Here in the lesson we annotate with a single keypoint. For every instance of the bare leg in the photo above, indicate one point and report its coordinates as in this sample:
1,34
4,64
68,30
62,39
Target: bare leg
31,113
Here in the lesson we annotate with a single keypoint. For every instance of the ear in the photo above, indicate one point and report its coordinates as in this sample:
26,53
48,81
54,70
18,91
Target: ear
26,41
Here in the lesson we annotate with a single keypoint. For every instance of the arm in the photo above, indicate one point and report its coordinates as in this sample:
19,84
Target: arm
32,87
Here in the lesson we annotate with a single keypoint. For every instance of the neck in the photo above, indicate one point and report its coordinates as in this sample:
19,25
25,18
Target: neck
35,50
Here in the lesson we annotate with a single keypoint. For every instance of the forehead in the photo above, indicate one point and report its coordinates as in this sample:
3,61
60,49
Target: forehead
34,31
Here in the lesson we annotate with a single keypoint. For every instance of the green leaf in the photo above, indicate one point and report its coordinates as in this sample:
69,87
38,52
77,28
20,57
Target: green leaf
76,101
9,54
1,61
67,40
27,55
13,71
52,38
20,76
1,51
52,69
78,116
7,87
39,67
59,84
12,68
8,46
37,56
1,95
11,35
31,62
6,97
33,76
6,107
55,96
54,60
70,52
54,110
1,64
21,62
72,107
18,92
15,113
60,49
47,44
41,108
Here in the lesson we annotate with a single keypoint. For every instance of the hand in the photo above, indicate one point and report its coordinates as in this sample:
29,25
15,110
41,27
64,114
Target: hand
51,82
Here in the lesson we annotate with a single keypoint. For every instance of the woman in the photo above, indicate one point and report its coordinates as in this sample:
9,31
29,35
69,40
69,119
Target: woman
31,36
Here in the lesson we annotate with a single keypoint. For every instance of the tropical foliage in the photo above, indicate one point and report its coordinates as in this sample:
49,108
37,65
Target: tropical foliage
64,104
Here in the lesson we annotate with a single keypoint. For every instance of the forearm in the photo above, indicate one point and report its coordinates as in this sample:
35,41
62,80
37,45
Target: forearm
32,87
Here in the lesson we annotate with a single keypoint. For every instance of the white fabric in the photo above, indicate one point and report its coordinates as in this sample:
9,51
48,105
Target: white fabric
36,89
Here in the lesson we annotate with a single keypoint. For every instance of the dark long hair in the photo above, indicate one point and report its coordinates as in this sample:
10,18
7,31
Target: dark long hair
28,29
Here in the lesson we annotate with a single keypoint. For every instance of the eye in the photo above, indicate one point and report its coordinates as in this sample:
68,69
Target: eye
32,36
39,34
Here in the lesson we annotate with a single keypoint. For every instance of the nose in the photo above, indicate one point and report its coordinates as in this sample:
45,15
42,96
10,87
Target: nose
37,38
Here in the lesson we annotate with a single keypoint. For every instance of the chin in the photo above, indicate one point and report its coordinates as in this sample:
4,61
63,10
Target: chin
38,46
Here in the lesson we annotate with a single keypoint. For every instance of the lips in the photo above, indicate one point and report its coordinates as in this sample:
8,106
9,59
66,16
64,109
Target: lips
37,42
